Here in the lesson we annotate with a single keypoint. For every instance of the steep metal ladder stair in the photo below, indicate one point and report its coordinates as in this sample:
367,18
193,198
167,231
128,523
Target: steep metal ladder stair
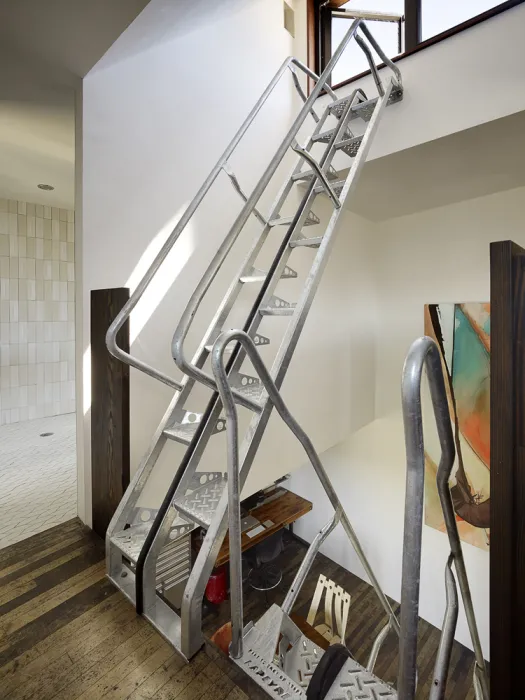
273,652
148,548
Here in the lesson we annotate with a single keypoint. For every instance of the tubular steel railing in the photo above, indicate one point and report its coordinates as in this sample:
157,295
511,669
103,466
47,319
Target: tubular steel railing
234,517
424,353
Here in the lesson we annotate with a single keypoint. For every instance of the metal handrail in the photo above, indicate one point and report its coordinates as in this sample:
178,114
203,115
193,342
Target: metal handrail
424,353
234,521
183,327
124,314
394,18
194,303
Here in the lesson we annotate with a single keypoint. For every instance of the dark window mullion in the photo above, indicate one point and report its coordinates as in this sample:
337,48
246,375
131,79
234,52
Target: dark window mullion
412,24
325,37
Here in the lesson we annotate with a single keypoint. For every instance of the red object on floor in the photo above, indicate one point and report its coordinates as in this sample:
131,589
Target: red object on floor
216,591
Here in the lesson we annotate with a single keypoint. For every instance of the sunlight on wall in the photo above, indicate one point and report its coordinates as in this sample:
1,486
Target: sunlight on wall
156,291
166,275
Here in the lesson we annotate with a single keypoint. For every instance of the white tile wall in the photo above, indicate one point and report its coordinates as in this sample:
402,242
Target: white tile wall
37,323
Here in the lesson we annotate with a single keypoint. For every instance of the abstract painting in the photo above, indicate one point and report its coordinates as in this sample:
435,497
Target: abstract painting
462,332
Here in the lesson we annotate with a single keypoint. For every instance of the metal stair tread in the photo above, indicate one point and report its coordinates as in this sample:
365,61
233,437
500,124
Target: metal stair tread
350,146
200,504
182,432
325,136
336,186
307,242
356,683
352,683
131,540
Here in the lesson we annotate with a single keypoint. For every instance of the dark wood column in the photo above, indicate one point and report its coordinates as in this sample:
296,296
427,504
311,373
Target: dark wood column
507,475
109,409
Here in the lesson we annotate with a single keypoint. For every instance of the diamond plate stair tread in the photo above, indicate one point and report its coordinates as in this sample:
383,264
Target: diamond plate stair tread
200,504
325,136
301,661
355,683
363,110
131,540
350,146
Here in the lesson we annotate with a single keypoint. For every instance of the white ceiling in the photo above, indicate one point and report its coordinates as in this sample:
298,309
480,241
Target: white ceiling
46,48
472,163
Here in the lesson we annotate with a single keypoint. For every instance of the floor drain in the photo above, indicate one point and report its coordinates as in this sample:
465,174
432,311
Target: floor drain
46,434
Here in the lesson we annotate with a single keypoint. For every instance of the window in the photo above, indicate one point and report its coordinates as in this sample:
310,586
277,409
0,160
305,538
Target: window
387,34
411,25
438,16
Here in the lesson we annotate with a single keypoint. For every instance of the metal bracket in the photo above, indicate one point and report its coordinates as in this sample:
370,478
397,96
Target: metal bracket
233,179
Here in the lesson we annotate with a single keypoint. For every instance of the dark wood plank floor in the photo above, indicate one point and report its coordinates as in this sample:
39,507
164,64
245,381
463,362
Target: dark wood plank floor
365,620
67,634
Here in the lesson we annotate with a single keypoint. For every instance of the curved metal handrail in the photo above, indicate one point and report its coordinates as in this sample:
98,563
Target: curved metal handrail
234,487
424,353
179,337
124,314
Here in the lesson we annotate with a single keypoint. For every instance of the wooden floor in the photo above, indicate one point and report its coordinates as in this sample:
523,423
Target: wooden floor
67,634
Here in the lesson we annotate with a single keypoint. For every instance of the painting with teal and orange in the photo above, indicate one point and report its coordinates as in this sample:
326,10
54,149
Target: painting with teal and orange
462,332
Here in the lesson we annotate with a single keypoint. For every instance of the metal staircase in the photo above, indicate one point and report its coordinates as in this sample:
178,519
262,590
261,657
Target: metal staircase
148,548
148,553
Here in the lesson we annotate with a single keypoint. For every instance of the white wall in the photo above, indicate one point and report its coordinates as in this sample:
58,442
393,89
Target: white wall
153,126
435,256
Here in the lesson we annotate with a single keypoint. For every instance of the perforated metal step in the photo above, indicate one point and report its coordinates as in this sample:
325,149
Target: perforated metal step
363,110
131,540
325,136
184,430
199,503
258,339
350,146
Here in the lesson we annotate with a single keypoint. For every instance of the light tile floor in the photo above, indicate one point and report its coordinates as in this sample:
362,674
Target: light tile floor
38,476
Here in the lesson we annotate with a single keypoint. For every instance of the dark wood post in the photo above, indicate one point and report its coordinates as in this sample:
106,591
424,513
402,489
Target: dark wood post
507,471
109,409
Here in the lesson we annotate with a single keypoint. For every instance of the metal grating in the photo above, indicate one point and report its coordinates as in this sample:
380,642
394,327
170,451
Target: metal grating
355,683
350,146
200,504
301,661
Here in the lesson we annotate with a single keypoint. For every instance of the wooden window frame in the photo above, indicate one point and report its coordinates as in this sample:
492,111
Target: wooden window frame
319,31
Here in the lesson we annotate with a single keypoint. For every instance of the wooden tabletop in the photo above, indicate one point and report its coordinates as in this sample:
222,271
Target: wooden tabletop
283,510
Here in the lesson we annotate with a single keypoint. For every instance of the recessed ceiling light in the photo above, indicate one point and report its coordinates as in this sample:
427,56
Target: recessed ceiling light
43,186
